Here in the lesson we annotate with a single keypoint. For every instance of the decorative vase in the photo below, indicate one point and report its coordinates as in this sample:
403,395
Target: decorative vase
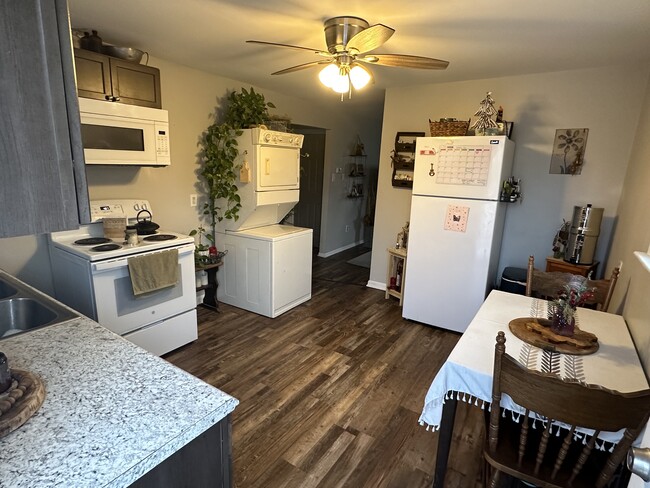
563,321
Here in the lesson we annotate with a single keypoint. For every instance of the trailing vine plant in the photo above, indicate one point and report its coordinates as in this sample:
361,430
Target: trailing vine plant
220,174
219,144
246,109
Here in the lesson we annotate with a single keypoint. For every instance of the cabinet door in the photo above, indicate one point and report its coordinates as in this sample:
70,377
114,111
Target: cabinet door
36,154
93,75
135,84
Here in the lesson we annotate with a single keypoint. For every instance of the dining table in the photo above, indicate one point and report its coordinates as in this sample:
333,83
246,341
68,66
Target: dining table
466,375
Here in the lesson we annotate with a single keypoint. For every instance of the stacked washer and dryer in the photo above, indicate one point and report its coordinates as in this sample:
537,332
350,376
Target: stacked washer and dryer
268,266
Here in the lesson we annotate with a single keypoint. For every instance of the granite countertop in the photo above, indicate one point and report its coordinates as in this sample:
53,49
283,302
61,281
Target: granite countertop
112,411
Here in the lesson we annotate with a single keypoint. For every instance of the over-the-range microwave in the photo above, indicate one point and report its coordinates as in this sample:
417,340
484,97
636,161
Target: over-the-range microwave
117,133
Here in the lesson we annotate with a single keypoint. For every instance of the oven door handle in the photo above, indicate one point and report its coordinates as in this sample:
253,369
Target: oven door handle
122,262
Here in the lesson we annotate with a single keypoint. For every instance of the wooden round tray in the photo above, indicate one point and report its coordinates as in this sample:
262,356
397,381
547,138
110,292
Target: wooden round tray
536,331
24,397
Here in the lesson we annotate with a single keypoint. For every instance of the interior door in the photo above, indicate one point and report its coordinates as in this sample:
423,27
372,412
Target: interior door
307,212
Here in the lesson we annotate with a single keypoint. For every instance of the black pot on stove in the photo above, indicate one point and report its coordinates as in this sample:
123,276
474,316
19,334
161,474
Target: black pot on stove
144,225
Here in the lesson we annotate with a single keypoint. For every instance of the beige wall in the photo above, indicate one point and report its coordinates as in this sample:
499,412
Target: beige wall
191,97
633,234
633,227
605,100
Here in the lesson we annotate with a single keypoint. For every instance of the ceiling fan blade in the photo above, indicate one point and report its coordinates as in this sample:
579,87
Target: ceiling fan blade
300,67
370,38
290,46
404,61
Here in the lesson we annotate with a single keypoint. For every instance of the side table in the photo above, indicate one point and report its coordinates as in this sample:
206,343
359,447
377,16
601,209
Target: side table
555,264
397,271
210,299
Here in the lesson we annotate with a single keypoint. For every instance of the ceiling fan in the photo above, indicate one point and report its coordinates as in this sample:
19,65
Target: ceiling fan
349,41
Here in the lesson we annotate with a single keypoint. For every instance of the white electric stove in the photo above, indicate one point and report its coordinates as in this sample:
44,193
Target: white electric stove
90,274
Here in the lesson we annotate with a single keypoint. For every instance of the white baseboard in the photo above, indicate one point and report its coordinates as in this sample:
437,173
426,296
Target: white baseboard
340,249
377,285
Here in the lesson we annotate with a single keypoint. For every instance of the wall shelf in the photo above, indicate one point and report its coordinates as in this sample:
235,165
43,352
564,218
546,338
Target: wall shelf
403,159
356,171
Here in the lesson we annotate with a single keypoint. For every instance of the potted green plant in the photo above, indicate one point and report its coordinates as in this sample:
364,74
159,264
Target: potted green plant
201,251
246,109
219,144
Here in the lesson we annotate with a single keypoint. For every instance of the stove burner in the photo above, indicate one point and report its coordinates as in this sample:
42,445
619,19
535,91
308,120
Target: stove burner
92,241
106,247
159,237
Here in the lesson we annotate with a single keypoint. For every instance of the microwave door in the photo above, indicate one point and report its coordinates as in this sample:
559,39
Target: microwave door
108,140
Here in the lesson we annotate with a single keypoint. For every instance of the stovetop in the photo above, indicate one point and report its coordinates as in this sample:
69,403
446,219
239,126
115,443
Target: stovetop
94,250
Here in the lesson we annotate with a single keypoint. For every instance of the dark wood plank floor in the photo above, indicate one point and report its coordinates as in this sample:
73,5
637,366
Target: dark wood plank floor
330,392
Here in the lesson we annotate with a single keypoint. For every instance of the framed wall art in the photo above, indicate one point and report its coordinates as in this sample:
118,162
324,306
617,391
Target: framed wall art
568,151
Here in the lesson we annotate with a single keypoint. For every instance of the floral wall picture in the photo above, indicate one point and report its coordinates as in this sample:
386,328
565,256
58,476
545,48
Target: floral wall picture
568,151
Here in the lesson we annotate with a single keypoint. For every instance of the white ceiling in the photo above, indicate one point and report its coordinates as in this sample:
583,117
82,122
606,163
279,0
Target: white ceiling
480,39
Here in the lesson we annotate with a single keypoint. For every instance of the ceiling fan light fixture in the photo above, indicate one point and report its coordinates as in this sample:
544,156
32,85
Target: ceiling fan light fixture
360,77
335,77
328,75
342,81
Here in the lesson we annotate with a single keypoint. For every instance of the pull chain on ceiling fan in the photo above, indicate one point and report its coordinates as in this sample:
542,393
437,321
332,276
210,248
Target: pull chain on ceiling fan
349,39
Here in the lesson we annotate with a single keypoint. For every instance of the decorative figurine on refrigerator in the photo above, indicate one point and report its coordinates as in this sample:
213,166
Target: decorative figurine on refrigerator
484,125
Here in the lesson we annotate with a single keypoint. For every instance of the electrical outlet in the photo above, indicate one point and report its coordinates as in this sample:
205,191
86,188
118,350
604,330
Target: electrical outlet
193,200
347,228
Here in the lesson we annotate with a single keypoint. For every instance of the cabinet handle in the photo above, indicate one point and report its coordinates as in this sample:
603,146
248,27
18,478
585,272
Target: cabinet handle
107,97
116,99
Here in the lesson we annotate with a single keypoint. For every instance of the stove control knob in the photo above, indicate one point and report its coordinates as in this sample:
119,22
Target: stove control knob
275,138
267,137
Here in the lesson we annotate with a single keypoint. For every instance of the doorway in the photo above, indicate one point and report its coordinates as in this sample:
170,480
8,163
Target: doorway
307,213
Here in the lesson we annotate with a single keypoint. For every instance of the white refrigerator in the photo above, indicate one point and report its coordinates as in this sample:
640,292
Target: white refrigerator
456,226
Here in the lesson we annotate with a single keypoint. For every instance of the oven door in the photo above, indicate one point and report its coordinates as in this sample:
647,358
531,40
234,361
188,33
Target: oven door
120,311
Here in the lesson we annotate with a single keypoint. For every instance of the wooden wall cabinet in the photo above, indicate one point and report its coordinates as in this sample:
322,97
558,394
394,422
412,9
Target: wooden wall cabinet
107,78
43,183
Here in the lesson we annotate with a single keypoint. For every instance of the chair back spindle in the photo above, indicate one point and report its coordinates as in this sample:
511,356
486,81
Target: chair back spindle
547,285
554,458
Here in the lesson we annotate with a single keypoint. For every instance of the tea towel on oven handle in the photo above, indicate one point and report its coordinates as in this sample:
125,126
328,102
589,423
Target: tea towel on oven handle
153,272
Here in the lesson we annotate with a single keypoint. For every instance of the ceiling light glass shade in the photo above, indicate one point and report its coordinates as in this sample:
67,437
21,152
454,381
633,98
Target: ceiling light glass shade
328,75
359,76
341,82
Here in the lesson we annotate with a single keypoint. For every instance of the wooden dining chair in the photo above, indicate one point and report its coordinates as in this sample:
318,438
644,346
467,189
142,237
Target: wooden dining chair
547,284
547,458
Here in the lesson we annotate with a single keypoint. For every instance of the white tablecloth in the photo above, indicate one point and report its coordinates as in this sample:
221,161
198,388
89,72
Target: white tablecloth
468,370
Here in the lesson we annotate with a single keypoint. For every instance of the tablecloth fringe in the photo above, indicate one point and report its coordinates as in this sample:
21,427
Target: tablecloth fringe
601,445
464,397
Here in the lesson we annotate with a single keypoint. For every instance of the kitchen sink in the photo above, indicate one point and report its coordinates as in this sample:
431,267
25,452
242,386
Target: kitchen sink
23,309
6,290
